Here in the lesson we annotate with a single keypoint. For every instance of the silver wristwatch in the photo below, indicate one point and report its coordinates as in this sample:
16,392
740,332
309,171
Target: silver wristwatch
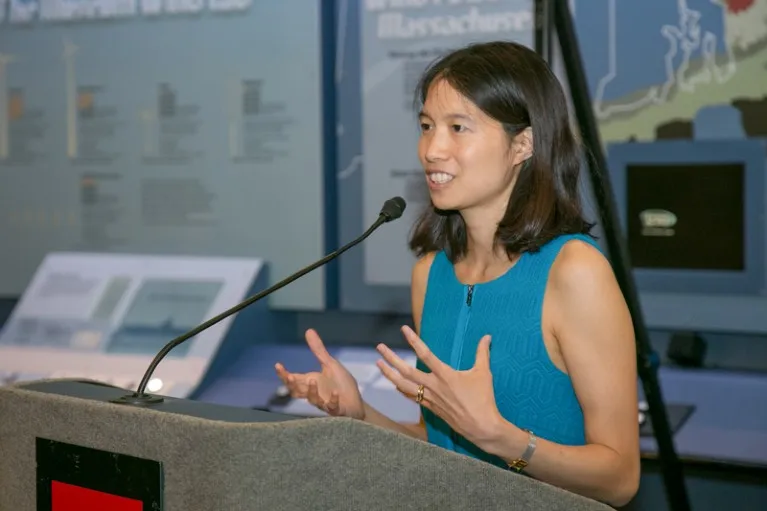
520,463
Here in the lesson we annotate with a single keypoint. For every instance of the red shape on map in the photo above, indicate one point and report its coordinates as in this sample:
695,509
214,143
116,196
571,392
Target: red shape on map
736,6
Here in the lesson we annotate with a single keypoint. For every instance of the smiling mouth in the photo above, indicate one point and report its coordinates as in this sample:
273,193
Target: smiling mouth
439,178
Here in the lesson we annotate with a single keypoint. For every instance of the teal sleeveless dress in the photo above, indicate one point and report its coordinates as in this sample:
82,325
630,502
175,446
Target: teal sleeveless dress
530,391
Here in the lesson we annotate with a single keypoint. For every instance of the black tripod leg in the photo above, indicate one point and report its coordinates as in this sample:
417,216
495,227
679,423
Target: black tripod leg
673,477
543,24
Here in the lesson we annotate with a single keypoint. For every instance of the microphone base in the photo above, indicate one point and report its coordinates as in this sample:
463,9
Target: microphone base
138,400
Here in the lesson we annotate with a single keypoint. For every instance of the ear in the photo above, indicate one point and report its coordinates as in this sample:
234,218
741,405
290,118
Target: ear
523,146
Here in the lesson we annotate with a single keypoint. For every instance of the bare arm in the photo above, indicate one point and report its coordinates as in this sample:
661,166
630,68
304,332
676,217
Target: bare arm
419,278
373,416
595,334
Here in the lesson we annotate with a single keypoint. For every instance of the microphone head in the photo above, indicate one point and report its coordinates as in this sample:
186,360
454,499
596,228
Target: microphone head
393,208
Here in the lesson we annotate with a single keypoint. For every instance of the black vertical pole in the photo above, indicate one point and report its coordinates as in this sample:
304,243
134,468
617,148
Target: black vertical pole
673,477
543,27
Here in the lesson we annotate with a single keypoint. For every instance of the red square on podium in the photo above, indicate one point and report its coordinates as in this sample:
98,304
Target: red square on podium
70,497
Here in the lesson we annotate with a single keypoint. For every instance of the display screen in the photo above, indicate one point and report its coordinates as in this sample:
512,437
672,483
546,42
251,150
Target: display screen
686,216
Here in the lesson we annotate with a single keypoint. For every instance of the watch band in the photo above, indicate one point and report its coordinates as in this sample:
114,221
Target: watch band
520,463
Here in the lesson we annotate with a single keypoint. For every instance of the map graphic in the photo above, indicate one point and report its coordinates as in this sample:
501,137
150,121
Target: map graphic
691,69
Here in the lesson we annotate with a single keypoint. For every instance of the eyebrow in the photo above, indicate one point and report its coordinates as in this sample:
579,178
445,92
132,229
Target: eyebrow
462,117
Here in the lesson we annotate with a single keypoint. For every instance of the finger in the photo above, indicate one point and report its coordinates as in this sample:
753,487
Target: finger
283,374
407,387
333,405
422,351
406,370
483,353
318,347
295,383
313,395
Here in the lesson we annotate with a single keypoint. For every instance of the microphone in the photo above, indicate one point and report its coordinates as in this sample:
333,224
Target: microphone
391,210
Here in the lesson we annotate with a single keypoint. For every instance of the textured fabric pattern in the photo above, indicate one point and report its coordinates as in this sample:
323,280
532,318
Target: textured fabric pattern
530,391
213,465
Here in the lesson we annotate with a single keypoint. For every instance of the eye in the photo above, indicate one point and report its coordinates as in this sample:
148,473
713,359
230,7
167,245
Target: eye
458,128
425,126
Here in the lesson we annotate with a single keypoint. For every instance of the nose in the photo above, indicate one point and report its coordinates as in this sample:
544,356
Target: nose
435,145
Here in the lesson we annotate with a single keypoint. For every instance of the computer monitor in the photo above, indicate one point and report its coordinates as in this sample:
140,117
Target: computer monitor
693,214
687,216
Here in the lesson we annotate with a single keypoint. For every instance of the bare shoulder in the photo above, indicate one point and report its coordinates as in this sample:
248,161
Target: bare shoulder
580,268
585,292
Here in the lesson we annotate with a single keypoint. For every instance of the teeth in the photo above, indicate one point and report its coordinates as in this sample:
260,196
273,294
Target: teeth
440,177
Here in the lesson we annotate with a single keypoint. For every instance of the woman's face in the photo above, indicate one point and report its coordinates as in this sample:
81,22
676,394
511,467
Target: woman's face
468,158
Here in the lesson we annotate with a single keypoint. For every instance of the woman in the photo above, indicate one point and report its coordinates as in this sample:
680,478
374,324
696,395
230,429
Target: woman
525,345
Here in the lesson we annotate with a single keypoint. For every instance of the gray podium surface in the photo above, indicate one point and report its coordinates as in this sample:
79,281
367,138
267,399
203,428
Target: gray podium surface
216,459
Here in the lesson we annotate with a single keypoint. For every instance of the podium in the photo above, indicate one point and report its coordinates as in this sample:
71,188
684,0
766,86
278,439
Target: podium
62,441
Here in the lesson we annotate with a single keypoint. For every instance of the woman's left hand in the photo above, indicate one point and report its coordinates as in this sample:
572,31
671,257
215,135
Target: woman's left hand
463,399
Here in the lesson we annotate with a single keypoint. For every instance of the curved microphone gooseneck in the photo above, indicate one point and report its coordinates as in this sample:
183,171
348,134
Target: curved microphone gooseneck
391,210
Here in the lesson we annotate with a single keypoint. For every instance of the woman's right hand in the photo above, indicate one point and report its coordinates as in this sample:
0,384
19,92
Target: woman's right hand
333,389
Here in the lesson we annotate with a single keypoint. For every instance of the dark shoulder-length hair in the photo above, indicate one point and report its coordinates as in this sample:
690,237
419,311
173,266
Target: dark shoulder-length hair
513,85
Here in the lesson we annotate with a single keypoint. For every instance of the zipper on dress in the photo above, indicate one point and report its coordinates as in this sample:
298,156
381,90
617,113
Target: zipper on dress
458,342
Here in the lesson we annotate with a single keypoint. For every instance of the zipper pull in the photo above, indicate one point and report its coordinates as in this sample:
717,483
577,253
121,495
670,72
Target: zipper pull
469,295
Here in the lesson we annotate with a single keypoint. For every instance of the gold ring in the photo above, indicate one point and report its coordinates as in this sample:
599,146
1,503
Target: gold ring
419,394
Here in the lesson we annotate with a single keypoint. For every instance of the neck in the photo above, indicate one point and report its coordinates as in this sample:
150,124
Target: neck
482,248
